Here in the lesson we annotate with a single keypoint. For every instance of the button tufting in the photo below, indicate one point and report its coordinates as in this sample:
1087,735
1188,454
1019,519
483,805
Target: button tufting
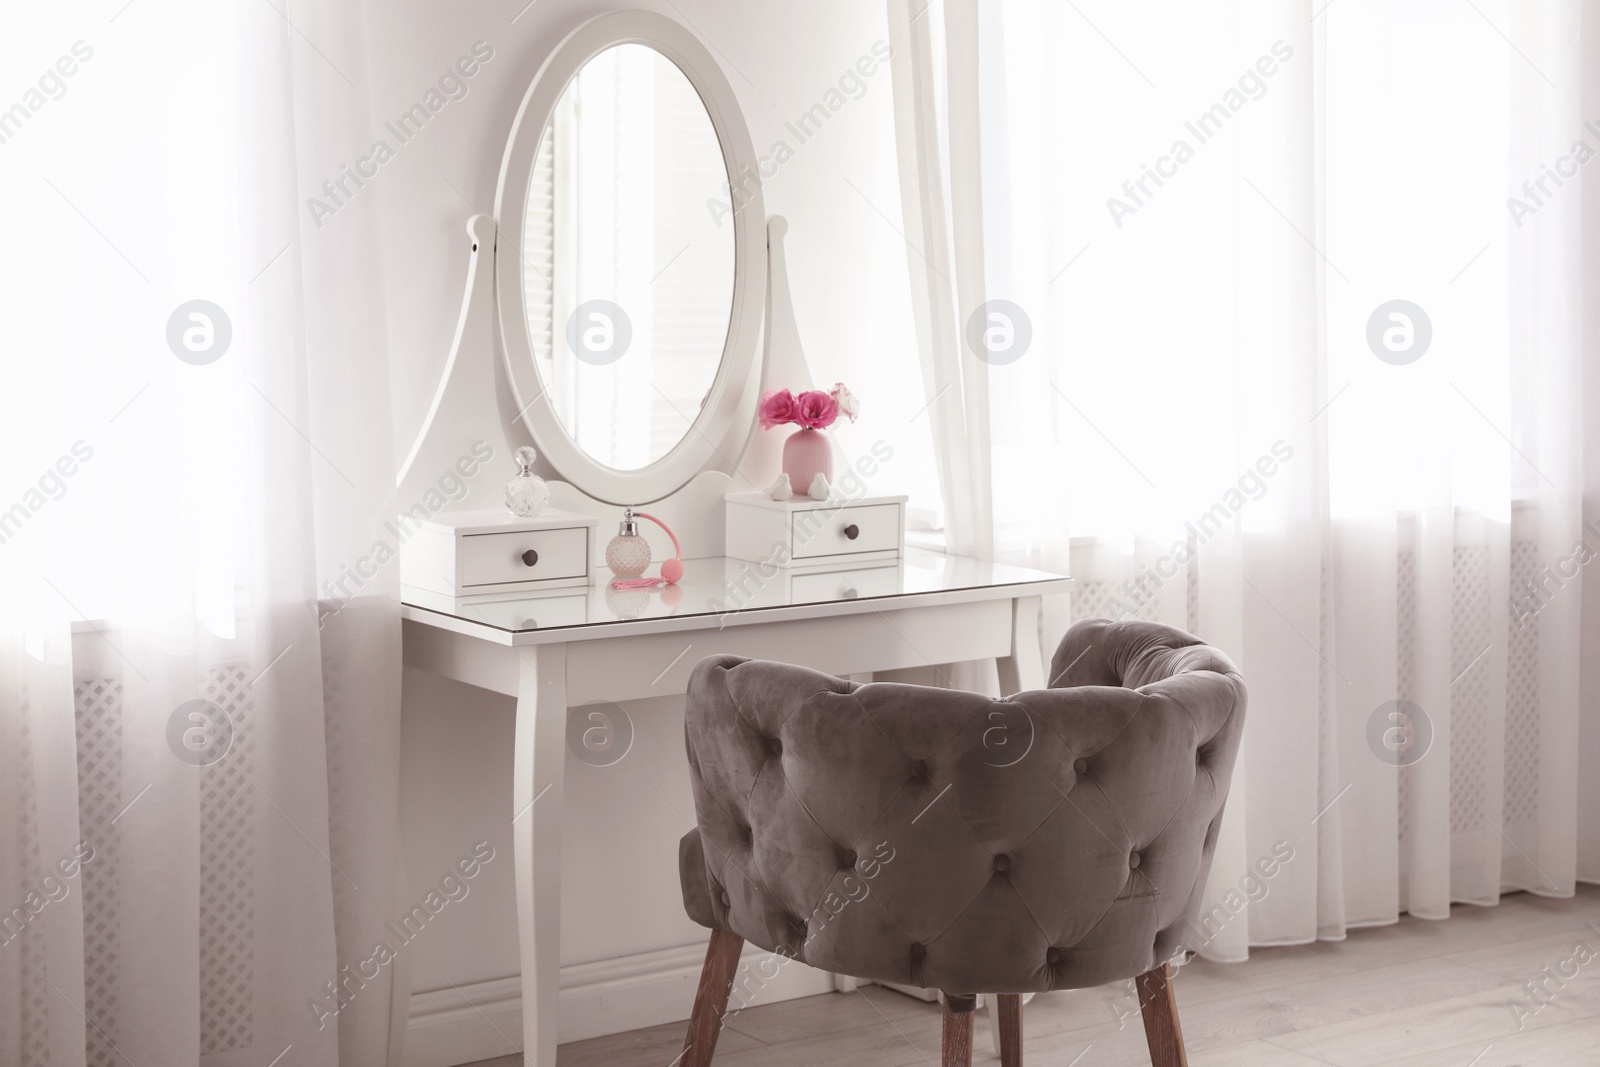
1002,864
919,769
726,903
1053,956
1133,860
918,950
849,859
1080,766
775,746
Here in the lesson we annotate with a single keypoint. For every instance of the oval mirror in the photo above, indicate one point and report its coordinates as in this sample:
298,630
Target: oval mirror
630,315
629,335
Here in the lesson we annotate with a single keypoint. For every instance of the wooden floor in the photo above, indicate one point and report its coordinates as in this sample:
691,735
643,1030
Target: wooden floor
1416,994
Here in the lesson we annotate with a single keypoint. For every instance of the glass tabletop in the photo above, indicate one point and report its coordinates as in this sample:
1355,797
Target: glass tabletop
726,587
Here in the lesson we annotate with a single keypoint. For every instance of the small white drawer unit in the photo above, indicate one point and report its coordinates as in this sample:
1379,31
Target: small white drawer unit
492,552
802,532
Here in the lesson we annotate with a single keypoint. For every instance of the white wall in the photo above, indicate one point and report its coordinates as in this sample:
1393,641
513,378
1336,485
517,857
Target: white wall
849,276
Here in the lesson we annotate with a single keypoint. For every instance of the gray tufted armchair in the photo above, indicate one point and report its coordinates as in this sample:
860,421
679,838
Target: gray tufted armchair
1053,839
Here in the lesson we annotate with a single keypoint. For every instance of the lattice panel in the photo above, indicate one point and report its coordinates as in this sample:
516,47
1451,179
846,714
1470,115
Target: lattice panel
1191,591
1327,700
1405,682
97,711
35,1020
1098,599
1522,697
227,866
35,1004
341,732
1469,695
227,873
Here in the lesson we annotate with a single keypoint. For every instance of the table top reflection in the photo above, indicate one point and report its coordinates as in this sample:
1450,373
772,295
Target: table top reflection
722,591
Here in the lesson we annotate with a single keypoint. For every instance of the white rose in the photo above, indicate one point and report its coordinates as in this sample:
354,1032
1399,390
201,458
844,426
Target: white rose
849,406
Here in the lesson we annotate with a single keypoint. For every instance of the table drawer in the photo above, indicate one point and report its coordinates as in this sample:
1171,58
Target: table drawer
874,528
494,559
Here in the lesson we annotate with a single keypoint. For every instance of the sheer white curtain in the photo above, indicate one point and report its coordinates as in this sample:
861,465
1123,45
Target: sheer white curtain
1202,218
198,737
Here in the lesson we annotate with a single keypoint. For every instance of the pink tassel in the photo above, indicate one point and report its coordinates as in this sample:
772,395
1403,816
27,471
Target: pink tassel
638,583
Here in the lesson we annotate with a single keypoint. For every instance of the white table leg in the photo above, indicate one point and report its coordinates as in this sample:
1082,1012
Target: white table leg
540,762
1024,668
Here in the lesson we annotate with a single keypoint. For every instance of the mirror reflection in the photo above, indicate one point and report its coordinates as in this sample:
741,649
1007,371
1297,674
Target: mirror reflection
629,275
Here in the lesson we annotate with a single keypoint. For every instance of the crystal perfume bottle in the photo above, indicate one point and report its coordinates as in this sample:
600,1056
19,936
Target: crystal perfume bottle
628,554
526,494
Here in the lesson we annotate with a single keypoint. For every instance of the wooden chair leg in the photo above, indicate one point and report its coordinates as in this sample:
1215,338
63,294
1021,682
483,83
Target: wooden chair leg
958,1012
711,999
1009,1008
1160,1009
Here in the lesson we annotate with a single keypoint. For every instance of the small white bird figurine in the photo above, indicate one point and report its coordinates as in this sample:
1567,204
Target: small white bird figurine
780,489
819,487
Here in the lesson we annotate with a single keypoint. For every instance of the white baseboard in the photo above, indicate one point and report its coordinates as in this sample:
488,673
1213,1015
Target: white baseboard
443,1030
608,997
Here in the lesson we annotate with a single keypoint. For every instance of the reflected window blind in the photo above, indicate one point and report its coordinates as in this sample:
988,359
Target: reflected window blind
656,177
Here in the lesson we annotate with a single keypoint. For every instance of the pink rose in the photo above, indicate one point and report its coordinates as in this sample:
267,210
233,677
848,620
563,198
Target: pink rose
817,410
778,408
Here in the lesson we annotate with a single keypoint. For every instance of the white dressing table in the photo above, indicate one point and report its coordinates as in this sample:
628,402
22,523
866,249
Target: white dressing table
559,650
613,365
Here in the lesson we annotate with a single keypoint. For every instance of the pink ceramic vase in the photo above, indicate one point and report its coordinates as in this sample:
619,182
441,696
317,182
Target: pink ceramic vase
806,454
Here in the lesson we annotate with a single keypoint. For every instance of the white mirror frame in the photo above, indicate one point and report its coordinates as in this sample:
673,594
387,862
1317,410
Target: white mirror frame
719,431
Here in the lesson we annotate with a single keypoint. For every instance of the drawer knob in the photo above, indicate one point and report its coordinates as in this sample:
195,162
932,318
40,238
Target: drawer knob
852,531
530,557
